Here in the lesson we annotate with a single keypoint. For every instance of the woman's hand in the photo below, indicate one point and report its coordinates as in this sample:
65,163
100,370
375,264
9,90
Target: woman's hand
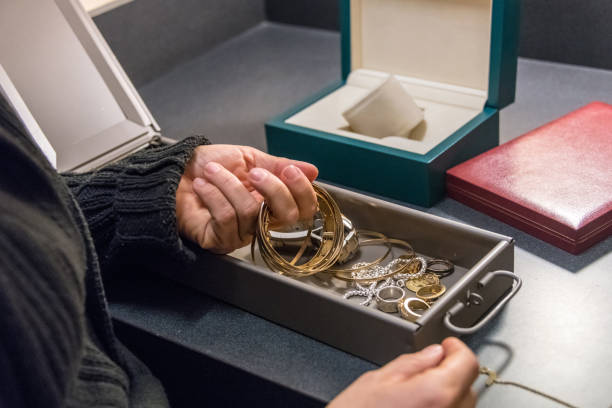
439,376
219,195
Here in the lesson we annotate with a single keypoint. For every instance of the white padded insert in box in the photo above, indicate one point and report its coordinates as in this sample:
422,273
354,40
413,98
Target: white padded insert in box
438,49
446,109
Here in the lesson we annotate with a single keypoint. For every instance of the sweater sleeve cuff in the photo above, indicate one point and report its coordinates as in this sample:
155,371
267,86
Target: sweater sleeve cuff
145,202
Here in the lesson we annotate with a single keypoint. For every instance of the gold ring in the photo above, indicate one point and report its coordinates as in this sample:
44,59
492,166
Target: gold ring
427,279
430,293
412,308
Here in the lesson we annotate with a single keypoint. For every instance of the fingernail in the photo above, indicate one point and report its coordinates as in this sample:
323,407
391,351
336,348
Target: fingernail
432,351
291,172
257,174
212,167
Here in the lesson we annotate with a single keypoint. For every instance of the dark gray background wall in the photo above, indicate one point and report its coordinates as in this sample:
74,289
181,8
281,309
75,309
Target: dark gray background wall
150,37
571,31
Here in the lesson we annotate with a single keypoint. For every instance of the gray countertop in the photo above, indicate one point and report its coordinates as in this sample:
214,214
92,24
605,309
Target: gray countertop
555,335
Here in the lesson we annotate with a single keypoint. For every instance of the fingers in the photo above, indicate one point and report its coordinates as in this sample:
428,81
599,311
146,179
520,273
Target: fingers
244,177
277,195
469,400
297,175
243,203
277,164
224,221
454,375
301,189
459,367
309,170
408,365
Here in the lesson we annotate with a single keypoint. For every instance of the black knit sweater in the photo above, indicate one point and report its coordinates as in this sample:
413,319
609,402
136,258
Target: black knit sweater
59,235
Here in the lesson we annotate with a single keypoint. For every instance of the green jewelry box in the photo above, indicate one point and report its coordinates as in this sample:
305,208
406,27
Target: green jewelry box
457,59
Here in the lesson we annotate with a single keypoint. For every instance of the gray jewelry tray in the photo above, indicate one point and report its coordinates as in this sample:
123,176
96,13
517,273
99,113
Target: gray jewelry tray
479,287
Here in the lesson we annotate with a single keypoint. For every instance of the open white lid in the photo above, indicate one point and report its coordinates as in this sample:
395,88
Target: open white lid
441,41
11,95
71,82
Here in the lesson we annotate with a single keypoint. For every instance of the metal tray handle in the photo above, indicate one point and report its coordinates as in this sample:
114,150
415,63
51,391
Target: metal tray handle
482,283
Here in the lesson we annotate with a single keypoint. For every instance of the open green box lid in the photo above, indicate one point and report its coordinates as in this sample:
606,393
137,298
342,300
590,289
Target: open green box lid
457,58
436,40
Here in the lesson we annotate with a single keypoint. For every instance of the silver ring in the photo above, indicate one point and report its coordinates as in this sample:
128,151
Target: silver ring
412,308
387,298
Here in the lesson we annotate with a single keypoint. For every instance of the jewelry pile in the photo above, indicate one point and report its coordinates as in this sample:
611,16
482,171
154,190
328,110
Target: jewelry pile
413,274
335,241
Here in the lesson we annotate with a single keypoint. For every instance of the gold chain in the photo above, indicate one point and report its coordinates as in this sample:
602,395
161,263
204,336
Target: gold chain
493,379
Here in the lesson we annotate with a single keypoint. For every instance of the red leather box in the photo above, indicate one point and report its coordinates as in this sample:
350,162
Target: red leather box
554,182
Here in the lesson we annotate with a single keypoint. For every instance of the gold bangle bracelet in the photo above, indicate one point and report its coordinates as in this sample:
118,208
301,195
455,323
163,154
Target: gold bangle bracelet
327,253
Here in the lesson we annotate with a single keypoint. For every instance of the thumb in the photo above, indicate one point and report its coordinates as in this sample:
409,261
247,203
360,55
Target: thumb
408,365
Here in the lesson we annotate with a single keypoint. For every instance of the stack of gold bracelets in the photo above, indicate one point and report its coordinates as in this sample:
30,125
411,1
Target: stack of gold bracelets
336,241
